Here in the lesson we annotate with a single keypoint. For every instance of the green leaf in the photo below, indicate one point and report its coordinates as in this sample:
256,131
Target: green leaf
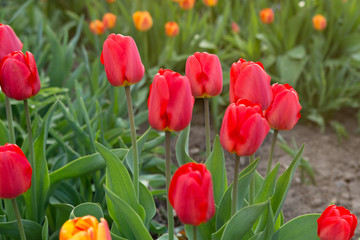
32,229
147,201
4,134
203,231
140,144
283,184
127,220
268,186
216,165
59,214
182,147
299,228
87,208
45,230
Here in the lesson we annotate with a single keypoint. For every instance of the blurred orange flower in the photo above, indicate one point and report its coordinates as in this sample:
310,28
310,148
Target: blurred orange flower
142,20
109,20
319,22
172,29
97,27
110,1
210,3
186,4
267,15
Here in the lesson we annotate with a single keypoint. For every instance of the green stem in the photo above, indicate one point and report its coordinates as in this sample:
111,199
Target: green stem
168,179
32,160
252,184
273,143
207,126
235,183
194,233
133,141
18,218
10,120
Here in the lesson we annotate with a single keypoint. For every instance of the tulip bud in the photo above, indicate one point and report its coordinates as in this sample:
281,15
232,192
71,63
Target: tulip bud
171,29
284,112
244,128
170,101
110,1
248,80
235,27
267,15
336,223
109,20
19,77
210,3
121,59
97,27
15,172
191,194
205,74
9,41
85,228
186,4
142,20
319,22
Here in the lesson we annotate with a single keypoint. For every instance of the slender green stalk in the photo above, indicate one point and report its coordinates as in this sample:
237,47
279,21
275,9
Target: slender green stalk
235,183
18,218
133,141
32,160
194,233
252,184
273,143
170,216
207,126
10,119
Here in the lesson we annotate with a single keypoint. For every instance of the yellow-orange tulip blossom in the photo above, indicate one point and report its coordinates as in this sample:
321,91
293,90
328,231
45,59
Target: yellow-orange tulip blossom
142,20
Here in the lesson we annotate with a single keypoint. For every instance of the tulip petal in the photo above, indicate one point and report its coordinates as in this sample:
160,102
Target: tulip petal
134,68
113,58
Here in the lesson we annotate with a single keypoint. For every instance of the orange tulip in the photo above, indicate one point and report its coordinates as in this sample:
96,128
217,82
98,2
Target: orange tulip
110,1
267,15
109,20
210,3
97,27
142,20
185,4
85,228
172,29
319,22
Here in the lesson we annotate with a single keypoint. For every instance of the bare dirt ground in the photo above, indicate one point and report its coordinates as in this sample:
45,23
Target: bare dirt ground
336,165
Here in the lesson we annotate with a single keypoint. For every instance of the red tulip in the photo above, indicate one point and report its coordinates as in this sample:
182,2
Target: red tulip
170,101
205,74
19,77
244,128
121,59
191,194
336,223
248,80
15,172
9,41
284,111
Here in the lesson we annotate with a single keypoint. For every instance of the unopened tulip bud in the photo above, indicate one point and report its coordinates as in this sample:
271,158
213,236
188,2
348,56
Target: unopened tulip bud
109,20
210,3
9,41
172,29
185,4
97,27
267,15
319,22
142,20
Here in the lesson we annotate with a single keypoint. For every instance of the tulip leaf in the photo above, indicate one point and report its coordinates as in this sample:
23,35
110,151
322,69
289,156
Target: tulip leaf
203,231
140,144
59,213
165,237
182,147
33,230
127,220
147,201
87,208
4,134
119,181
224,210
283,184
83,166
216,165
45,230
299,228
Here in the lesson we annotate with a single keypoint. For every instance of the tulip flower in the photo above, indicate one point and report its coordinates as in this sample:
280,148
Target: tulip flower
142,20
267,15
85,228
248,80
210,3
244,128
109,20
15,172
336,223
19,77
235,27
110,1
205,74
97,27
121,59
319,22
186,4
191,194
172,29
170,101
9,41
284,112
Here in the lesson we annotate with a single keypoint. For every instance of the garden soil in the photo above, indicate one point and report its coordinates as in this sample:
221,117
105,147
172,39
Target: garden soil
336,165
